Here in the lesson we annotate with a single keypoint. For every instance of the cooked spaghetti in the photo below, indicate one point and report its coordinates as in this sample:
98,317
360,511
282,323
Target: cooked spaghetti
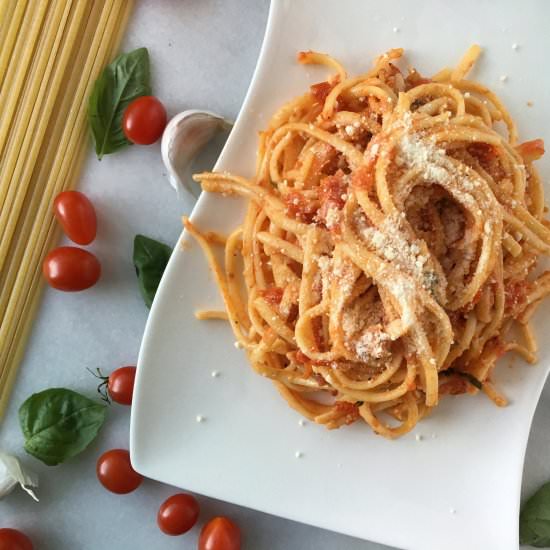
388,247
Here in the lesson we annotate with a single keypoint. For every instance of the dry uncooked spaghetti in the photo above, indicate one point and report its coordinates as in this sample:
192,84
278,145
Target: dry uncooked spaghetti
51,52
387,246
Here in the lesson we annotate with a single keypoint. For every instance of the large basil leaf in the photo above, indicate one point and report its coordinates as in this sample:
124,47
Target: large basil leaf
59,423
150,259
534,520
126,78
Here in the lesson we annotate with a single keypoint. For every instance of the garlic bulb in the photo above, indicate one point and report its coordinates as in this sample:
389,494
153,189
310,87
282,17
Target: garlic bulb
184,136
12,473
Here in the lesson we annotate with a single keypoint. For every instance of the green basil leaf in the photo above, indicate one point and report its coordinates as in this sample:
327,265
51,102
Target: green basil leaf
58,424
534,520
150,259
126,78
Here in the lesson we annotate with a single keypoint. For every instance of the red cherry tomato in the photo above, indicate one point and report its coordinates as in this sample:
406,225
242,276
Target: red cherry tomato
115,472
144,120
12,539
220,534
69,268
178,514
121,385
76,214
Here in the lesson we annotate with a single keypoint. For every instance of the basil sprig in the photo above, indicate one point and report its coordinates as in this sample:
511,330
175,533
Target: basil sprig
59,423
470,377
150,258
125,79
534,520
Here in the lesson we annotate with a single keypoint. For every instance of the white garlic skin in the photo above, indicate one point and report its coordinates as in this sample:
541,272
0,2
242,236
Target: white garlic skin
12,473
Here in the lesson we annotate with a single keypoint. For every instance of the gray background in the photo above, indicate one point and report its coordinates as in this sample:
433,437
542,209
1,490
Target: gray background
203,53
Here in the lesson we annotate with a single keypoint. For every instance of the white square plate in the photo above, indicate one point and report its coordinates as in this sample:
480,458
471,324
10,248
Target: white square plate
458,487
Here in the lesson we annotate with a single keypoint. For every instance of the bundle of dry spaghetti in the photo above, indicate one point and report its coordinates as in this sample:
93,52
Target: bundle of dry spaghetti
389,245
51,52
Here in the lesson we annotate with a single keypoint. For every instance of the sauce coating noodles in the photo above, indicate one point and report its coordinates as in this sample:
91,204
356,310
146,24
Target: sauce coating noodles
388,245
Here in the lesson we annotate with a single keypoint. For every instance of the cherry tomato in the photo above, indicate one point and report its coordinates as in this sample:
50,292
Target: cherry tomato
115,472
76,214
220,534
70,268
178,514
121,385
12,539
144,120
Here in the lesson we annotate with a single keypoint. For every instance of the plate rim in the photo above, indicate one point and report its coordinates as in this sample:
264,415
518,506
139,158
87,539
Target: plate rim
274,6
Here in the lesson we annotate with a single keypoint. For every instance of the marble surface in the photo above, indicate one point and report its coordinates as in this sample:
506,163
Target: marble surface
203,54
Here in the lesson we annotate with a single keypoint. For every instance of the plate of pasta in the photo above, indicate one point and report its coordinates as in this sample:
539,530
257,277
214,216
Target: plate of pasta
347,335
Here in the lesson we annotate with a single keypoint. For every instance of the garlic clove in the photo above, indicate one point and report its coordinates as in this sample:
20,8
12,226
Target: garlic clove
184,136
12,473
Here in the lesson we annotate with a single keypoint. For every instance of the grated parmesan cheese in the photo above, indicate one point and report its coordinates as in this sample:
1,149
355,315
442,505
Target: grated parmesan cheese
423,154
371,344
351,130
332,217
390,242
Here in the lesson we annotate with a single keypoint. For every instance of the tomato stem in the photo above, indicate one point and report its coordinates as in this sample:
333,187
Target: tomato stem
102,389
